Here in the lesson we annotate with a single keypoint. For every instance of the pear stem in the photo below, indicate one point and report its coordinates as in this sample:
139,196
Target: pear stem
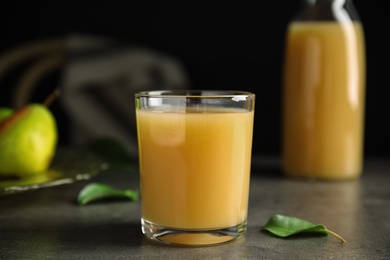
52,97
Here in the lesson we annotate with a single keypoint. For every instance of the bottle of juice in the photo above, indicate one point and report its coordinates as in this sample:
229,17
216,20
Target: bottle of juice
324,92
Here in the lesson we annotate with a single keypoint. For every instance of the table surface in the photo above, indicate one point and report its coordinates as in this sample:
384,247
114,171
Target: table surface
48,224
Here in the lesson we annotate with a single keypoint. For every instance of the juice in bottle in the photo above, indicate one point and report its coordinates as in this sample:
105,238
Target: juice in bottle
324,87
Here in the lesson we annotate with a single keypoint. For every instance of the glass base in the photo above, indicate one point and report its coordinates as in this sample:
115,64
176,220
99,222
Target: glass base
190,237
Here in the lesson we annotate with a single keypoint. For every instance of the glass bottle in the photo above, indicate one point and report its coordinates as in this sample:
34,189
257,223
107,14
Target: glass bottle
324,92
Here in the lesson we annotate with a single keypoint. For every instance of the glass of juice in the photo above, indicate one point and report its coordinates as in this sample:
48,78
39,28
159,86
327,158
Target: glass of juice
194,155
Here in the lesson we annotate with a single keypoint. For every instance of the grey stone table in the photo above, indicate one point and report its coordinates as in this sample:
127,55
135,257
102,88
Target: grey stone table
48,224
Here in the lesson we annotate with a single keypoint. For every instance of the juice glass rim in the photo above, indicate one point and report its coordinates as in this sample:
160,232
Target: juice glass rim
192,93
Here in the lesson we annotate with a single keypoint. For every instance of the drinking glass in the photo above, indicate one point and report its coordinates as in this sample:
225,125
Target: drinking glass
194,157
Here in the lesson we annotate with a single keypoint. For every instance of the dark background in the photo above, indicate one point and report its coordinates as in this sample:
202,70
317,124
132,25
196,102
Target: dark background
233,44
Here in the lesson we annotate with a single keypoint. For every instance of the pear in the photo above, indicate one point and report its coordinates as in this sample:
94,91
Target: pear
5,112
28,140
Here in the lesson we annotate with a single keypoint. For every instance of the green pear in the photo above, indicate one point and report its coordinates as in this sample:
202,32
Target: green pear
5,112
28,139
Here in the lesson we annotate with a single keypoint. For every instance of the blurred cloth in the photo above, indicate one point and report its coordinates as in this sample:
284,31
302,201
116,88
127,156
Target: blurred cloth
99,77
100,80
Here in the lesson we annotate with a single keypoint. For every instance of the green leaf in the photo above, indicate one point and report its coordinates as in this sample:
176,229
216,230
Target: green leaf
97,191
284,226
110,149
114,152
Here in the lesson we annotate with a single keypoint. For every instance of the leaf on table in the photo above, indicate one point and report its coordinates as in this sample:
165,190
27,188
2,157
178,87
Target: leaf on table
284,226
97,191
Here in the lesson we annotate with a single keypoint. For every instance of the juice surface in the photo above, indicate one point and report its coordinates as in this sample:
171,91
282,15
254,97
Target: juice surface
324,89
195,168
